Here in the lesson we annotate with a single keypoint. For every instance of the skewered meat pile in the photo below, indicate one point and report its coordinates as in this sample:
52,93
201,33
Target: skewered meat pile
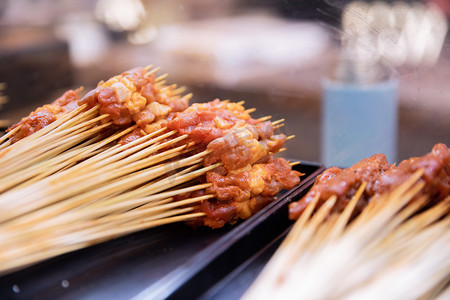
380,177
133,97
135,101
45,115
250,177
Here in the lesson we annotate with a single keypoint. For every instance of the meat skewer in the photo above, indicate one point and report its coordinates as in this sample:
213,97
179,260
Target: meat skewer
143,166
380,177
328,254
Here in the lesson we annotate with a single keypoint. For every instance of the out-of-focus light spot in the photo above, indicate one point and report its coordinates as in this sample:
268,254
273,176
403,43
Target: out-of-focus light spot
65,284
120,15
380,16
355,17
143,35
86,39
398,33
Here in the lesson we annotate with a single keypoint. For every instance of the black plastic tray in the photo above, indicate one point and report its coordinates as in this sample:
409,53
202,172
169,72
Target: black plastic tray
173,261
235,284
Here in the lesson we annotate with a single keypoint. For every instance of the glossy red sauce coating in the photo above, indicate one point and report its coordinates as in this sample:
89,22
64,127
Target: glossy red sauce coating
380,177
219,214
135,81
130,137
249,177
240,195
118,112
45,115
127,99
144,117
244,146
205,122
266,179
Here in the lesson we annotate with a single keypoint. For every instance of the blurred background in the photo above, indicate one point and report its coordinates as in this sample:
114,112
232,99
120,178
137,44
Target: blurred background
275,55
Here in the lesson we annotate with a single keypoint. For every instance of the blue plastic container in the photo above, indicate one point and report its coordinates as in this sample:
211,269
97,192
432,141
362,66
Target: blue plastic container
358,120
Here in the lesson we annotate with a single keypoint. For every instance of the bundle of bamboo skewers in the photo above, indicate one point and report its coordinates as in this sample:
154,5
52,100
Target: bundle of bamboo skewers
71,184
397,248
51,204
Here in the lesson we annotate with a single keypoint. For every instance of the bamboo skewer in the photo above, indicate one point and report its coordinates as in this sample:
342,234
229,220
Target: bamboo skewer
161,77
20,151
82,199
49,150
160,83
181,90
156,187
72,222
43,169
5,123
3,100
103,143
54,189
278,122
387,242
263,119
71,184
96,144
152,71
9,134
154,222
73,243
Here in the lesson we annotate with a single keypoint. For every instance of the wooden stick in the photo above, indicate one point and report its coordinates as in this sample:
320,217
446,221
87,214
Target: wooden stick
169,88
109,207
39,254
162,77
278,122
160,84
24,145
48,150
114,154
165,183
370,247
179,90
188,96
108,215
4,123
153,71
3,99
263,119
34,172
9,134
344,219
58,189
